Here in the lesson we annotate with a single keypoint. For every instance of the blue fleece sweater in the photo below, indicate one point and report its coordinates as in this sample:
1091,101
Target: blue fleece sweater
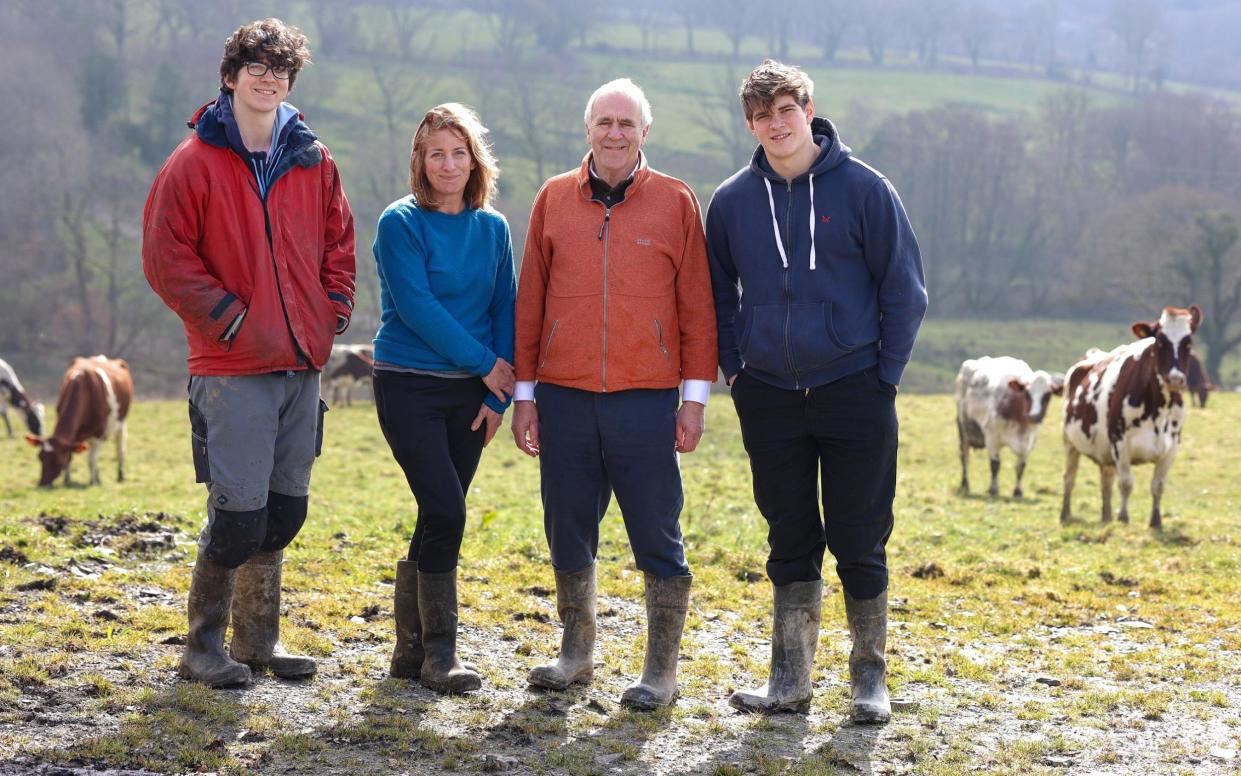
447,289
856,301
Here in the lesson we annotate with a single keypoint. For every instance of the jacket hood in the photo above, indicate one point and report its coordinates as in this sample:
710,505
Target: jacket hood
832,152
215,125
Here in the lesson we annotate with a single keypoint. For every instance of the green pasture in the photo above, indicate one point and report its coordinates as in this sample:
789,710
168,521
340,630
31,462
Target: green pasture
987,595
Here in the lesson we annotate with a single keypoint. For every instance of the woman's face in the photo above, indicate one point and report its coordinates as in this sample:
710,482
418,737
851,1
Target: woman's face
448,163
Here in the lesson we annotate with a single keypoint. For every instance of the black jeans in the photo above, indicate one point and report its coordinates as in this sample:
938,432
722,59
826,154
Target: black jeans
426,421
845,433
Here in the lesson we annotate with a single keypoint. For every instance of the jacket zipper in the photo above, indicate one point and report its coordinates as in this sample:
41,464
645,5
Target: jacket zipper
604,234
788,299
271,252
659,329
547,351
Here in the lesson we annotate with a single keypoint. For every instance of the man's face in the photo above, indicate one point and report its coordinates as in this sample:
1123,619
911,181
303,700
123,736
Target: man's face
783,128
258,94
615,134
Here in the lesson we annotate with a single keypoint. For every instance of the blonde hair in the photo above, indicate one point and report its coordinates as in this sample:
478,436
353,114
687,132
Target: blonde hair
480,190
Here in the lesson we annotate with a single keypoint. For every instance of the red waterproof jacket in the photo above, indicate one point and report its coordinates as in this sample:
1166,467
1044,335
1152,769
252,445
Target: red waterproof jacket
213,246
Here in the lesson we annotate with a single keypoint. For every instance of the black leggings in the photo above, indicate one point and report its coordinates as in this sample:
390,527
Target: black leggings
426,421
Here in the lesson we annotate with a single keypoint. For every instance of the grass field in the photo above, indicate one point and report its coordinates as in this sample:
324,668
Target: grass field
1017,645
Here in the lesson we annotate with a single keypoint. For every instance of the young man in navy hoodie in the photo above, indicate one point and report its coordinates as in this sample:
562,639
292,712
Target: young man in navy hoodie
248,237
819,294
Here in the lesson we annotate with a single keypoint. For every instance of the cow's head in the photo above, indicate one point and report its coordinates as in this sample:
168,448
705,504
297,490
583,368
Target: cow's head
53,457
1035,394
1173,334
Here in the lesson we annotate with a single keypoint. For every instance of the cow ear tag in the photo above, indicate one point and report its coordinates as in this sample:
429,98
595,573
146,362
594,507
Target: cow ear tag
34,440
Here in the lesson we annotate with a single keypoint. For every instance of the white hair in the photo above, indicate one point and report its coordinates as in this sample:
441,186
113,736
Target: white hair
629,89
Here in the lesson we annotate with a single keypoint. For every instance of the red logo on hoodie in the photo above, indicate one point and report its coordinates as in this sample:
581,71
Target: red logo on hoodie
826,219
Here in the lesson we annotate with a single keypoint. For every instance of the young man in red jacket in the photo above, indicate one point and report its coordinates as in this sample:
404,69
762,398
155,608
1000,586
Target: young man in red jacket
248,237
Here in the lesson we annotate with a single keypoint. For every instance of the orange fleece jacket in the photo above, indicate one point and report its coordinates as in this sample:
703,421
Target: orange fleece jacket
611,300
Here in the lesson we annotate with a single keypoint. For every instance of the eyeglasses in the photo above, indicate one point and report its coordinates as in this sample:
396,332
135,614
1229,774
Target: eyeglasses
259,69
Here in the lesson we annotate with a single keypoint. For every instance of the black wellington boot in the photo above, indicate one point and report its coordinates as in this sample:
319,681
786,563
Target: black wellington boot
442,671
407,655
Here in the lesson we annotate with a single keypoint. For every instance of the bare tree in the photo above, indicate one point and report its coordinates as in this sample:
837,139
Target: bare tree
831,19
976,26
1135,23
1206,263
719,112
405,20
878,19
337,23
926,21
647,16
735,18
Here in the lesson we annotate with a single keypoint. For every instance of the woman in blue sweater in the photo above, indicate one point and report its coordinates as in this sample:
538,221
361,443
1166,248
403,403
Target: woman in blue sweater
443,372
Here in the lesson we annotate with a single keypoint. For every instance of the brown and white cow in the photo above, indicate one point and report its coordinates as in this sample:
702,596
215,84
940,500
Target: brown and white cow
94,400
1200,385
1125,407
1001,401
347,366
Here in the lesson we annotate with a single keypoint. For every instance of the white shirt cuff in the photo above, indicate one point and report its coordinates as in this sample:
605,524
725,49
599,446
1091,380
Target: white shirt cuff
694,390
524,391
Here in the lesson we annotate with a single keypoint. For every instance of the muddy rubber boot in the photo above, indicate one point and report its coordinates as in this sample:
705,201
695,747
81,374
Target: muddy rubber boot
407,655
868,670
204,659
794,636
667,601
575,601
256,619
437,605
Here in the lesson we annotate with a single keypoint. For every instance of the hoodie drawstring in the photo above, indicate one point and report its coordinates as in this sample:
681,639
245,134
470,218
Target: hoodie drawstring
775,223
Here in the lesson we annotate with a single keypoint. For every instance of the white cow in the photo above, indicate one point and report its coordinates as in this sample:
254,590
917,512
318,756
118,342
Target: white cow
1001,401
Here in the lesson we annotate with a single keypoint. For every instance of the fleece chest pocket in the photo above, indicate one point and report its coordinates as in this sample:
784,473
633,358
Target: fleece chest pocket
198,443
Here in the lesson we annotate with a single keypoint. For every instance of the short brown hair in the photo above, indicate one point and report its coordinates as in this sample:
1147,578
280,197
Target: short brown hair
771,79
480,189
269,41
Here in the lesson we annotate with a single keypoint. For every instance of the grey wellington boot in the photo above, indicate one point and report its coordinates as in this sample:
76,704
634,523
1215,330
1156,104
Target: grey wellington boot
204,658
667,601
794,636
256,619
868,670
437,605
407,655
575,602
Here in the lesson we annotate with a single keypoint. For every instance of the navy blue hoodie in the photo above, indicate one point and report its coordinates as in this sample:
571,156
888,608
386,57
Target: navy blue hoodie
854,301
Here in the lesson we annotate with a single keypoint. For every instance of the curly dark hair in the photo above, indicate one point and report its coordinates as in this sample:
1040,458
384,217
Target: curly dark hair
270,41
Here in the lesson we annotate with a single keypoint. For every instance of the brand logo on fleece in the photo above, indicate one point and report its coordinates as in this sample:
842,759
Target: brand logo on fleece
826,219
644,241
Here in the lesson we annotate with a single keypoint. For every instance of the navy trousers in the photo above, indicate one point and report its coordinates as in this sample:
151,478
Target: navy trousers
844,435
594,444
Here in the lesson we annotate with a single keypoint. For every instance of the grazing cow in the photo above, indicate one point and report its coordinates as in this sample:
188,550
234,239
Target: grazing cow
13,395
347,366
94,400
1199,383
1001,401
1125,407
